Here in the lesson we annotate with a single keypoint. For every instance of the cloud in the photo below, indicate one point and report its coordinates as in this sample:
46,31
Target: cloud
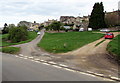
13,11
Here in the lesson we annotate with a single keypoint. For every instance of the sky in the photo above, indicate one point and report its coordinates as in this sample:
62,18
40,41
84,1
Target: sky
13,11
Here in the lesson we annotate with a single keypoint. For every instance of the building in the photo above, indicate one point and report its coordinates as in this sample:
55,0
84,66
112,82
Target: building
76,21
30,25
46,23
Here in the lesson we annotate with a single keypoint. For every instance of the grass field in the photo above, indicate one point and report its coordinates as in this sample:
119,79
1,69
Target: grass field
114,46
11,50
31,36
64,42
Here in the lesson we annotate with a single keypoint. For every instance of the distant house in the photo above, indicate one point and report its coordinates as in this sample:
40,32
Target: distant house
46,23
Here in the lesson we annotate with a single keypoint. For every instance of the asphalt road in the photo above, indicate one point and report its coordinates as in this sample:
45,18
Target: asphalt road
19,69
30,48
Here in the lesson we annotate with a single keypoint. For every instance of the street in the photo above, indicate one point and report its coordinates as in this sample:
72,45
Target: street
19,69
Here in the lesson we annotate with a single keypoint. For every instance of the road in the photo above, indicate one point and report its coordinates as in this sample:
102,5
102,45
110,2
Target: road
30,48
19,69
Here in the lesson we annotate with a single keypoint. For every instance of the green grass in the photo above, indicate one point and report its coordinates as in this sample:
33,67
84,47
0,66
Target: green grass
11,50
100,42
64,42
31,36
114,46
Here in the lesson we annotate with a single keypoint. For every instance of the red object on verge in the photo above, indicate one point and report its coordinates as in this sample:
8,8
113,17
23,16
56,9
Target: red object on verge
109,36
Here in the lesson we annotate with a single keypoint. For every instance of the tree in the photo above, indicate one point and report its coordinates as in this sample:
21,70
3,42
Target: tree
17,34
56,26
5,29
97,17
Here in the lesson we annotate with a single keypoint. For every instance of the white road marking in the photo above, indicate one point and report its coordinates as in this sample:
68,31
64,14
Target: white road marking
69,70
56,66
99,74
16,56
37,59
63,65
52,62
46,63
26,56
30,57
20,55
89,72
115,78
41,60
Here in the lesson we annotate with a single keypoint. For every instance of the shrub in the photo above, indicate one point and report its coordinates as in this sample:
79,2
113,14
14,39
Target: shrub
17,34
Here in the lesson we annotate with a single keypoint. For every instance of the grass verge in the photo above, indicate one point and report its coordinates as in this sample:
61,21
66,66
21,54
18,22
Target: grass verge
11,50
3,38
100,42
114,46
64,42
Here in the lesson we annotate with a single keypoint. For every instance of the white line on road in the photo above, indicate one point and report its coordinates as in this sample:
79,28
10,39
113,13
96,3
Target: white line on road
30,57
45,63
69,69
63,65
16,56
52,62
20,55
25,56
56,66
37,59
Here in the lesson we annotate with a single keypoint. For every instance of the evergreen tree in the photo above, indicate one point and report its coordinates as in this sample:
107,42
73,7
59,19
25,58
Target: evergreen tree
5,29
96,20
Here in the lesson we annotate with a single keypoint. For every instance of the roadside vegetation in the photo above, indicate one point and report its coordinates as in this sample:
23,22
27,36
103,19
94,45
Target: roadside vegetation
11,50
114,46
64,42
5,42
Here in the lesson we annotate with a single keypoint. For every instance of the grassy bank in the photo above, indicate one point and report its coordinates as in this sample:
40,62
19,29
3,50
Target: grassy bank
11,50
64,42
31,36
114,46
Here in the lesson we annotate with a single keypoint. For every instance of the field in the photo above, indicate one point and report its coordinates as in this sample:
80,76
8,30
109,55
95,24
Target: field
114,46
64,42
31,36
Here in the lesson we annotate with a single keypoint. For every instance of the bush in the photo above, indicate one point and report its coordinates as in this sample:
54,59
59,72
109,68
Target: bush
17,34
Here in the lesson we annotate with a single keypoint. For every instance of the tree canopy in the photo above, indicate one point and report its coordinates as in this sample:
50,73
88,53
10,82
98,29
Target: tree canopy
97,18
17,34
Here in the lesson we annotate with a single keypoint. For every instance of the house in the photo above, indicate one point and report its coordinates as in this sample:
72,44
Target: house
76,21
46,23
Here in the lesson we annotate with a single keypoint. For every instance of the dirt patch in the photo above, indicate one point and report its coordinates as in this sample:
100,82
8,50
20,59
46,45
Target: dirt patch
92,58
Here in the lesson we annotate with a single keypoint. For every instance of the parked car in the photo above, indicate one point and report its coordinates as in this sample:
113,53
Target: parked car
38,33
81,29
104,30
109,36
89,29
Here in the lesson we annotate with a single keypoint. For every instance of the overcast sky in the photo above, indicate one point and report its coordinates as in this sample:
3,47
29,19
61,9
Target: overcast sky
13,11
